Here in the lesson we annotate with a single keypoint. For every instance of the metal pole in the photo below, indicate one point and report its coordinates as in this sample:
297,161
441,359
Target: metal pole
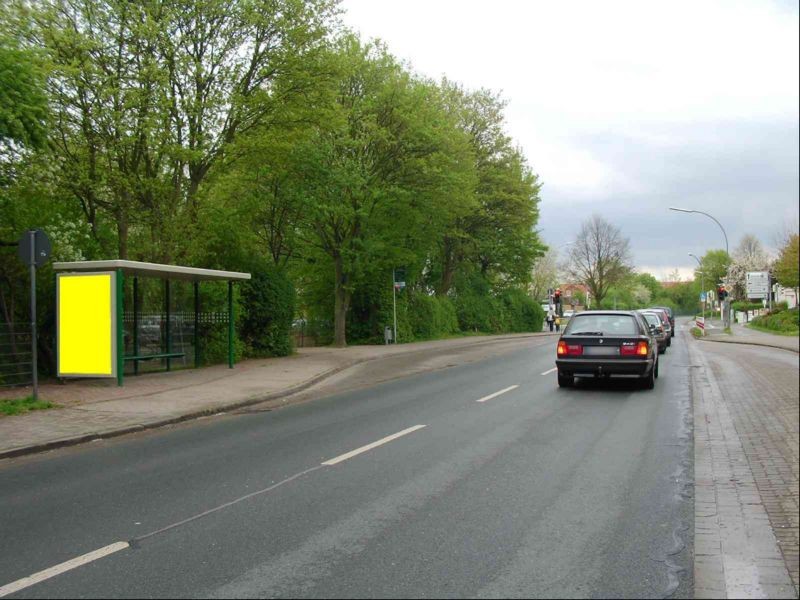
32,235
196,323
230,324
120,327
394,306
135,324
168,342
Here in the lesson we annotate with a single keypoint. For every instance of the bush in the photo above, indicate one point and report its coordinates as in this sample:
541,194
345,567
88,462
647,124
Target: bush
746,306
787,321
267,302
521,311
779,307
431,317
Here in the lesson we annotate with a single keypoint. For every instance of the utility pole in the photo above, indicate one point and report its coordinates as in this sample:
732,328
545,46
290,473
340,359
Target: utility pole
394,304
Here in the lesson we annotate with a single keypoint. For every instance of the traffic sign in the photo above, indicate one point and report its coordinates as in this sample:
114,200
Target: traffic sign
40,247
702,296
757,284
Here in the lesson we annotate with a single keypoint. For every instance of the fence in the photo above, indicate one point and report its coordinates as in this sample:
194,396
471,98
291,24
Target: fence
16,358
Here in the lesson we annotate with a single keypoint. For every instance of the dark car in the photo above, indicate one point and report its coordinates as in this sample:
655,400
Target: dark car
665,322
671,316
605,343
661,334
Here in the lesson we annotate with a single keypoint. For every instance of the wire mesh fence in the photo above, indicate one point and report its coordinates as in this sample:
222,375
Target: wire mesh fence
16,357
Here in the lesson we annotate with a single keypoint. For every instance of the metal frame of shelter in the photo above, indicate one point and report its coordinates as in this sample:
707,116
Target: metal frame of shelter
167,273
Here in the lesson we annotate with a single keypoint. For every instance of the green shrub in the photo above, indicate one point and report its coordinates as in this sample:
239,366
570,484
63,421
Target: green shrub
521,311
787,321
267,302
746,306
431,317
779,307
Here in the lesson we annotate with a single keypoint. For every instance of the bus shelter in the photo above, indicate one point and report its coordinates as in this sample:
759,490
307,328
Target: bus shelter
90,314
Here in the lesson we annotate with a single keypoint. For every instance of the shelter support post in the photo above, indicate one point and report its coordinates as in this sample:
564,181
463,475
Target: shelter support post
230,324
196,324
167,337
120,327
136,324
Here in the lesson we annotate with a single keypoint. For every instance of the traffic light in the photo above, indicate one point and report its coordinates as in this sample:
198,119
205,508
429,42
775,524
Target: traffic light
557,296
722,293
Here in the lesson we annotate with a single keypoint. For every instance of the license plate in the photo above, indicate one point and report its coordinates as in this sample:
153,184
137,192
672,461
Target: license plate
601,351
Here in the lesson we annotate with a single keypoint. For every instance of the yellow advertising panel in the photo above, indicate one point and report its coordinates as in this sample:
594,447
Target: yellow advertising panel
86,324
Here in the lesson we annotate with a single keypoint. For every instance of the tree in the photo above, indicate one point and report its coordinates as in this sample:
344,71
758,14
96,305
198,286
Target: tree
23,103
787,267
544,274
713,266
600,257
384,169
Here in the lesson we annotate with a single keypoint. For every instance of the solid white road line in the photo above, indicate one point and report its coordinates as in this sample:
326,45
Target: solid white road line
21,584
490,396
550,371
380,442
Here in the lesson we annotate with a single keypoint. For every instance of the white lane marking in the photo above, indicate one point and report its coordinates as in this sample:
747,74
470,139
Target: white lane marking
550,371
380,442
21,584
490,396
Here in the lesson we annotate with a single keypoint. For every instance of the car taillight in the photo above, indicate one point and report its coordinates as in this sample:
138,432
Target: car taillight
631,349
565,349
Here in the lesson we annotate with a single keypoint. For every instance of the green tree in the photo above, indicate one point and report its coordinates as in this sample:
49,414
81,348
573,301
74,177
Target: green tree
714,265
787,267
23,103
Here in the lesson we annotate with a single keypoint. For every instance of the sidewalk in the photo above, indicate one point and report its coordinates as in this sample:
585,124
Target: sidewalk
741,334
97,408
746,471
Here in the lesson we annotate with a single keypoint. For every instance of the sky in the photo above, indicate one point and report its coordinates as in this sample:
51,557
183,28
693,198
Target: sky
627,108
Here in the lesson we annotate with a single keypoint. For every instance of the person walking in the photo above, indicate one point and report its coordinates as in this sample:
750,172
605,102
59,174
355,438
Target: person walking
550,319
558,323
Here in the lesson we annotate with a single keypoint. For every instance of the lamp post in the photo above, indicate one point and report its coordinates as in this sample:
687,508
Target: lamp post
723,309
702,287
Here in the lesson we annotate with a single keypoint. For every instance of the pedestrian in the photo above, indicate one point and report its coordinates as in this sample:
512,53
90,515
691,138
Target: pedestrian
558,323
550,319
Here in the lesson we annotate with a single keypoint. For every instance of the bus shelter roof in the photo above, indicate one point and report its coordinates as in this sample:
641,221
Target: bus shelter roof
145,269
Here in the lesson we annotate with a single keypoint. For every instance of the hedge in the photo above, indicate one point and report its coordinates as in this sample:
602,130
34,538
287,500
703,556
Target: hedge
267,301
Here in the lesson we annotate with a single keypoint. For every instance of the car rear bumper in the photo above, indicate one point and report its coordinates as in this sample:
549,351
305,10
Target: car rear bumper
592,367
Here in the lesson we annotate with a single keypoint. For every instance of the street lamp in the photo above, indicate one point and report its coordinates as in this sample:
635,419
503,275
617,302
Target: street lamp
723,309
700,212
702,287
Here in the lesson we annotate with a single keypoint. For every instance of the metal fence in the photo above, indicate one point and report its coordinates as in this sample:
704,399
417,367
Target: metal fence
16,358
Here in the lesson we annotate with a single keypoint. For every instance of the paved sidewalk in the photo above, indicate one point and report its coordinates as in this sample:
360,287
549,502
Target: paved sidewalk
741,334
90,409
746,471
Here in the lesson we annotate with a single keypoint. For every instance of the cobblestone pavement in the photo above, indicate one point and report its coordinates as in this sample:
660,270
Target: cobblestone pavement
746,471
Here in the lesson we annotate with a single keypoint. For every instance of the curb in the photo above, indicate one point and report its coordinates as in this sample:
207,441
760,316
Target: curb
763,345
112,433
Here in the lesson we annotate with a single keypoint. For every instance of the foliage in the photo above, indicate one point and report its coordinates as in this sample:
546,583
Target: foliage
787,321
268,305
787,267
23,103
713,267
779,307
746,306
432,317
749,256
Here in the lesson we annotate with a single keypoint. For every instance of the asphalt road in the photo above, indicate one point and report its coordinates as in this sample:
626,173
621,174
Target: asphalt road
535,492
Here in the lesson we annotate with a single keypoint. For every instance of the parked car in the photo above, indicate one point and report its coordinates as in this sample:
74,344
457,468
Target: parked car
606,343
671,316
662,336
664,315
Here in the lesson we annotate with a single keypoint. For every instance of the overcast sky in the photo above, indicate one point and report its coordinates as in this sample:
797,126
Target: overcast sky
627,108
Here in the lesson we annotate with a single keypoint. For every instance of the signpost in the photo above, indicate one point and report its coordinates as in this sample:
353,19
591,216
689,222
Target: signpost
398,283
758,286
34,250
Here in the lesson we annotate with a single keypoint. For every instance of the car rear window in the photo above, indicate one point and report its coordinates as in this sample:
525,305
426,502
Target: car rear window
652,319
602,325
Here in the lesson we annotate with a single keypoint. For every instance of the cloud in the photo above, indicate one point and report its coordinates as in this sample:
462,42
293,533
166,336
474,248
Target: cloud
627,108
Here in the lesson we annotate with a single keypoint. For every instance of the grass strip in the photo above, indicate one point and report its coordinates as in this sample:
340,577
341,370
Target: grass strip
17,406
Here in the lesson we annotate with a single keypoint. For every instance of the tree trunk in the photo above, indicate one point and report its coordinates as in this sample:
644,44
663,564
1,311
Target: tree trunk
122,232
448,268
342,301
